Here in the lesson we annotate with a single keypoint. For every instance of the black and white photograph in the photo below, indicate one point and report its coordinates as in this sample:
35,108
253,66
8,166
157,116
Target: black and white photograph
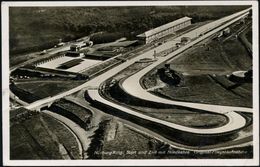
130,83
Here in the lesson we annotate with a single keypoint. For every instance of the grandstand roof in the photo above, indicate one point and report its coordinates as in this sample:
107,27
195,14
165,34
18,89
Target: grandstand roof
164,27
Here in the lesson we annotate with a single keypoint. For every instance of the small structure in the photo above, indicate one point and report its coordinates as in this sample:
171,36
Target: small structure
220,34
154,54
74,48
43,52
185,40
89,43
70,64
226,31
178,44
242,76
60,44
169,75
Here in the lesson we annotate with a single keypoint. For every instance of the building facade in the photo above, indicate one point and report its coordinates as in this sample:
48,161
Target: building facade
166,29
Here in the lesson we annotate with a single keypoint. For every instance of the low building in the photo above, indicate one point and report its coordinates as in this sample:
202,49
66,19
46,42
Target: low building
162,31
72,54
70,64
74,48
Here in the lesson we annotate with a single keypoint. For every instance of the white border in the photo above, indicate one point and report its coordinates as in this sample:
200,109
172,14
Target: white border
179,162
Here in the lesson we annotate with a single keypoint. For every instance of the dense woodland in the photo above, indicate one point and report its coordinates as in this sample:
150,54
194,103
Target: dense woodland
33,29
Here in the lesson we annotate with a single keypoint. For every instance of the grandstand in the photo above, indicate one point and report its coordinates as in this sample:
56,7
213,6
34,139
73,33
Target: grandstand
166,29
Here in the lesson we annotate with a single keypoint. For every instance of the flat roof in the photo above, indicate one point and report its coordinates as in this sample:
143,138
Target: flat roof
164,27
125,43
74,45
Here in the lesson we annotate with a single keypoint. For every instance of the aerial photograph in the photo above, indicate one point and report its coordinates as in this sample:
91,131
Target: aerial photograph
131,82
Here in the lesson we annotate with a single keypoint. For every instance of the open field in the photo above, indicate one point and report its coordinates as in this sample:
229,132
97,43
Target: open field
193,119
45,89
196,89
17,59
42,137
214,58
127,142
23,95
181,116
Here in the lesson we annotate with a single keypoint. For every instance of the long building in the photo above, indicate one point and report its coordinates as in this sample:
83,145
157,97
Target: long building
166,29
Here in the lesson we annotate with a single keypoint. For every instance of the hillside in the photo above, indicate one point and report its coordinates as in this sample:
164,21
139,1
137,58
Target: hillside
36,28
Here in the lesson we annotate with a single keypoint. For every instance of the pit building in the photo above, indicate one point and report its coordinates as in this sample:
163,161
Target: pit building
166,29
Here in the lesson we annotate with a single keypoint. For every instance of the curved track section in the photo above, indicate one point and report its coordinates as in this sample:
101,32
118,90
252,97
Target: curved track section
232,125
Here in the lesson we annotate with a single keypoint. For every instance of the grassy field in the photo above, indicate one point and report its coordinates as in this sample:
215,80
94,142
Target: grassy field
181,116
221,58
151,80
195,119
39,138
44,89
204,68
17,59
195,89
129,144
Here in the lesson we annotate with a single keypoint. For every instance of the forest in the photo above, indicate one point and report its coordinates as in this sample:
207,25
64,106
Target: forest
37,28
